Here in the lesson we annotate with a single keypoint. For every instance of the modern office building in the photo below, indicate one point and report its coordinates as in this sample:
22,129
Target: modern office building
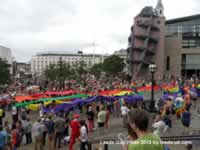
5,53
182,46
173,45
40,61
146,42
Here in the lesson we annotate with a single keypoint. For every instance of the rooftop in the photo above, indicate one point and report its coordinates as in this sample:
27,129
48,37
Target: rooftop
64,54
183,19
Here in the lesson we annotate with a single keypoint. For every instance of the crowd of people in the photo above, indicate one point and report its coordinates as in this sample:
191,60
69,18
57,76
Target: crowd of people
67,128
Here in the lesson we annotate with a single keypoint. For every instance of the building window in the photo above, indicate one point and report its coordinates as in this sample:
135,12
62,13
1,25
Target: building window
168,63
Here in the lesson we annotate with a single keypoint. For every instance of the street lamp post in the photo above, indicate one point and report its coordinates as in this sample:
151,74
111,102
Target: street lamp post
152,69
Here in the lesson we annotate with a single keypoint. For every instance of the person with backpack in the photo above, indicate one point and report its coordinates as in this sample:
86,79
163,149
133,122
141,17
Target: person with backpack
50,126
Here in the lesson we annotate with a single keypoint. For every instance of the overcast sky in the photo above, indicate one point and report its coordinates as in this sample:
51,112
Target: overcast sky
31,26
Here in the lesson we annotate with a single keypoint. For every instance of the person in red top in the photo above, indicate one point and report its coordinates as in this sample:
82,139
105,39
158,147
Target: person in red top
75,130
14,137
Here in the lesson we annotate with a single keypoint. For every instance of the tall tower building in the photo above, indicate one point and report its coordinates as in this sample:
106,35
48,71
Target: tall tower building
146,42
160,8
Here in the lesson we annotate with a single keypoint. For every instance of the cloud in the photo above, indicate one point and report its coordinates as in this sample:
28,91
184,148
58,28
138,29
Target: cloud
31,26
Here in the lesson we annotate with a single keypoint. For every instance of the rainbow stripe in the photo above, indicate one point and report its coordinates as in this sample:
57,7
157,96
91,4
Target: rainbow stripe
173,90
121,101
133,85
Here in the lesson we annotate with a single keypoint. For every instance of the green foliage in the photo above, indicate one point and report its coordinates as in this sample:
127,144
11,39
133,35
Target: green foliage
5,77
96,70
113,65
62,71
79,69
50,72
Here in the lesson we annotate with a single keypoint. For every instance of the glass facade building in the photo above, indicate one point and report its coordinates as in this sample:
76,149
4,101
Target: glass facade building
188,29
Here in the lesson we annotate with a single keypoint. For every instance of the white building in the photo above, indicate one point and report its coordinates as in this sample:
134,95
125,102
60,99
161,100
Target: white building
40,61
5,53
122,53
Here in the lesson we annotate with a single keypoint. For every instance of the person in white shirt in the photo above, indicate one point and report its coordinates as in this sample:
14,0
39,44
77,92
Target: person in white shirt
159,126
41,110
179,98
124,112
37,130
14,113
83,135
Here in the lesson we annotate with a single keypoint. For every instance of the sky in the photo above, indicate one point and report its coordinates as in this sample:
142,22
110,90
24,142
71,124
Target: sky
28,27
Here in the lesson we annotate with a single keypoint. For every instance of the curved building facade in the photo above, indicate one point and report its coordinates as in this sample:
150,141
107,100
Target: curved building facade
146,42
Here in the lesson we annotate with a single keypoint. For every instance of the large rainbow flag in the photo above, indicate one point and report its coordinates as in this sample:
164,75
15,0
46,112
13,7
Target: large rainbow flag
179,107
171,89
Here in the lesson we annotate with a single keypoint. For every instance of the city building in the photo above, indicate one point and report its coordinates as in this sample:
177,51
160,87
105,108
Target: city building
40,61
21,70
5,53
182,46
122,53
146,42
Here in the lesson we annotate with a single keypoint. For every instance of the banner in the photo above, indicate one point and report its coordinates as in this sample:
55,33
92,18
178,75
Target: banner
80,102
23,104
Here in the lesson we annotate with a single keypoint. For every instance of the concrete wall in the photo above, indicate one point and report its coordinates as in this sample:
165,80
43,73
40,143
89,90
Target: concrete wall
191,51
141,34
160,49
173,49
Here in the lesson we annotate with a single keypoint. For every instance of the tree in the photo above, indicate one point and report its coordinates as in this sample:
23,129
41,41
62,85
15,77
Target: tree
113,65
63,72
79,69
97,69
60,72
5,77
50,72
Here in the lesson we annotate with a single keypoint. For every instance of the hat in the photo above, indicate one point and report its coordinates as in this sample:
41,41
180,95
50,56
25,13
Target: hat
76,116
